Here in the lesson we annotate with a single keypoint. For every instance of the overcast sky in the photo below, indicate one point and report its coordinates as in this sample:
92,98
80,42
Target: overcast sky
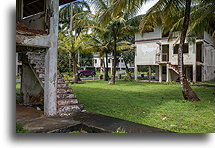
147,6
144,8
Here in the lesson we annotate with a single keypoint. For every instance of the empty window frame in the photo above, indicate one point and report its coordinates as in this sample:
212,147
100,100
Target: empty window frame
186,48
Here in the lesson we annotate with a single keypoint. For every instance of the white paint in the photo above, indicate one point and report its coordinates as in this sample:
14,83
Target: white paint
149,53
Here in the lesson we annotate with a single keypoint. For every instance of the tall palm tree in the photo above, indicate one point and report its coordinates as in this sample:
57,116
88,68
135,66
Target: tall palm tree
174,15
115,29
75,17
67,12
100,40
69,43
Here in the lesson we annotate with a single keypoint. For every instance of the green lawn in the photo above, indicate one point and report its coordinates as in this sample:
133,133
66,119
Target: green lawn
156,104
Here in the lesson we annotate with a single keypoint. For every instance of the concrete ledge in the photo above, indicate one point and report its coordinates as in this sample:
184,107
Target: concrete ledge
111,124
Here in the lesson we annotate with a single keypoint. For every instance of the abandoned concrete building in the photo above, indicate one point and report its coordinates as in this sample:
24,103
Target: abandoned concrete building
36,43
99,63
154,49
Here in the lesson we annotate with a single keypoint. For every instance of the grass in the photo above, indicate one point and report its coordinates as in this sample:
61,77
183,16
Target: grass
18,85
209,82
20,129
155,104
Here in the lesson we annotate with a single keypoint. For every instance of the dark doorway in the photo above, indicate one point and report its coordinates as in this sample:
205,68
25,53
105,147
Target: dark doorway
199,73
165,52
199,57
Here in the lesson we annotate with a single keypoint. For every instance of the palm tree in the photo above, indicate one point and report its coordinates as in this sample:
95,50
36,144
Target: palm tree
72,8
115,29
71,44
75,17
174,15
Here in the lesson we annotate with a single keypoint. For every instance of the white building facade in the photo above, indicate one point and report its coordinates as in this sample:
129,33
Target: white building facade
153,49
99,63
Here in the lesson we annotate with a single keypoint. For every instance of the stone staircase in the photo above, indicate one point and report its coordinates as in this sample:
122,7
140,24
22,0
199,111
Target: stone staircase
66,100
174,68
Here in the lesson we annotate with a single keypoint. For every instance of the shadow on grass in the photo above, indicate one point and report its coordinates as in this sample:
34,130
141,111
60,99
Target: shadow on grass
147,103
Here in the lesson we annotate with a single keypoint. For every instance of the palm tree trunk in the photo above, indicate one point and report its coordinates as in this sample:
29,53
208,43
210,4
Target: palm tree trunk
75,76
70,62
187,91
106,67
112,81
127,69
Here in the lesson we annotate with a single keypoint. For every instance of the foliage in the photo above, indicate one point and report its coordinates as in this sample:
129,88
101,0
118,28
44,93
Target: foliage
86,59
63,62
20,129
120,131
155,104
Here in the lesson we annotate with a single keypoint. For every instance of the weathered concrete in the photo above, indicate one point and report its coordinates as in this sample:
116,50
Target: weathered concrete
150,50
35,121
50,87
31,89
150,73
168,74
111,124
160,73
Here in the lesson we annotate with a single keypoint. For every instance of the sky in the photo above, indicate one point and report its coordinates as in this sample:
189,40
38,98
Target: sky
144,8
147,6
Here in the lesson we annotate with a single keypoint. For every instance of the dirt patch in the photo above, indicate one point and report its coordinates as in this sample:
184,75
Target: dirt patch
22,110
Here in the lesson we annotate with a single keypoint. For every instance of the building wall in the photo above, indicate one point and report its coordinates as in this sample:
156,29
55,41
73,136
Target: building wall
146,52
148,48
97,62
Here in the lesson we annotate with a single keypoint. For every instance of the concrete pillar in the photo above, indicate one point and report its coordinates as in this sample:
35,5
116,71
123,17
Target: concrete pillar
168,74
111,66
150,73
50,87
156,73
135,72
135,66
17,64
194,62
194,73
120,65
160,73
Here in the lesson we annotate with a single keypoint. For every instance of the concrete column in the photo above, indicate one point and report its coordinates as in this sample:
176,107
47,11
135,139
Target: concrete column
111,66
194,73
194,62
135,72
17,64
120,65
160,73
150,73
156,73
168,74
50,87
135,65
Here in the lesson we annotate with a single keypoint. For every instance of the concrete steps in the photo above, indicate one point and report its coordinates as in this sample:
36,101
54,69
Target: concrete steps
66,100
174,68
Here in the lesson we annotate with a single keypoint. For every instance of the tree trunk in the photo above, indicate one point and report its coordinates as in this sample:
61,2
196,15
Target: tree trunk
70,63
75,75
112,81
106,67
127,69
187,91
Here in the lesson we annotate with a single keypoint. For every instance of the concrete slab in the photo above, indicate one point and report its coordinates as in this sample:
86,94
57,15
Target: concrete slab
111,124
35,121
